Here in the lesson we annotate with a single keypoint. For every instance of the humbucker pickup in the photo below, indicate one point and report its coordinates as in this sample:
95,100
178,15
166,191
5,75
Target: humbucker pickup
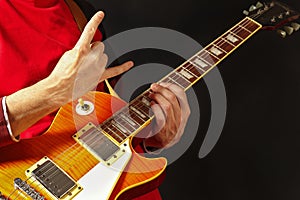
59,184
99,144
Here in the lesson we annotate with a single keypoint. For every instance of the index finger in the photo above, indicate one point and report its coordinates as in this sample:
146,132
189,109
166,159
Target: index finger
90,30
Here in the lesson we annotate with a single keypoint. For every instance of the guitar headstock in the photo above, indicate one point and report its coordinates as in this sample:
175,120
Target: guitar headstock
273,15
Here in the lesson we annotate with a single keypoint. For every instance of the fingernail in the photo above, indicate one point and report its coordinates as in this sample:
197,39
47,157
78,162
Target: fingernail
131,63
100,14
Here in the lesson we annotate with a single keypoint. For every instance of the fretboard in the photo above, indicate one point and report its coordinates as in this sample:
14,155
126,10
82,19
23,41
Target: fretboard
137,114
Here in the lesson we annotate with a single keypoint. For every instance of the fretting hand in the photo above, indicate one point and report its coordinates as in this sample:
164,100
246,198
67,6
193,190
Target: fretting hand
171,110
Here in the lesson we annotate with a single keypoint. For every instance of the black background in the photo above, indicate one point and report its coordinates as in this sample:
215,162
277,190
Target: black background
257,155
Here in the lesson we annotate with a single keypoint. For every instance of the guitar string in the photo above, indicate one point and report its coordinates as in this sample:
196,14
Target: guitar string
236,31
176,80
75,149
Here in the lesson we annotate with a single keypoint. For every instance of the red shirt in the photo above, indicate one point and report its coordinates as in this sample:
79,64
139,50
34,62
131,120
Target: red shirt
34,34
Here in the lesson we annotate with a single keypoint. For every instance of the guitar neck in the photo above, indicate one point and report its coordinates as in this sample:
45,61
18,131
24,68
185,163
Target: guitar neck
207,58
137,114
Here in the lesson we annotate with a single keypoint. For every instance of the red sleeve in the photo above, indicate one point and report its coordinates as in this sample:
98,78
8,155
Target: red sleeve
5,138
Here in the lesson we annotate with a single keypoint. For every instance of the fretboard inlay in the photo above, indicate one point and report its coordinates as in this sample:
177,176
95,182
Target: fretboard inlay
138,112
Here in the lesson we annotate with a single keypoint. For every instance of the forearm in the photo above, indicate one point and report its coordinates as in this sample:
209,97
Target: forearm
30,104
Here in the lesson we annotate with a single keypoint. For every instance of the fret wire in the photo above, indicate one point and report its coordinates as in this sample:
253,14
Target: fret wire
137,116
132,122
110,130
177,81
197,65
245,29
183,81
247,21
189,82
236,35
183,78
220,48
120,127
146,109
189,70
115,131
191,65
142,111
242,24
120,121
180,78
132,129
228,42
203,59
114,124
211,54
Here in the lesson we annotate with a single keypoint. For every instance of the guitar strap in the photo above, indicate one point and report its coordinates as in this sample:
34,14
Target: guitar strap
81,22
77,14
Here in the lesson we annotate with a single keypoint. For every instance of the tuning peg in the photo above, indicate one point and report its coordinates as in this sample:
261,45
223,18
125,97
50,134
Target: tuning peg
259,5
281,33
252,8
289,30
245,12
295,26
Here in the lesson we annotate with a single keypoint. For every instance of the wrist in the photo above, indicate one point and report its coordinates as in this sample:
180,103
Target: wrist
56,92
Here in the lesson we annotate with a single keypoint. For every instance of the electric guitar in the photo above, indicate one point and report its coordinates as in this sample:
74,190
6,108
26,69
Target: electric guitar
98,161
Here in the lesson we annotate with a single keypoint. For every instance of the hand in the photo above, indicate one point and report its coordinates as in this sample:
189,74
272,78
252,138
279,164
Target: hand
171,110
80,69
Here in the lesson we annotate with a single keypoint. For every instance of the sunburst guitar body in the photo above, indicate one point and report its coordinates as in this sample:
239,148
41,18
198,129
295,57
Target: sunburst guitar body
131,177
87,151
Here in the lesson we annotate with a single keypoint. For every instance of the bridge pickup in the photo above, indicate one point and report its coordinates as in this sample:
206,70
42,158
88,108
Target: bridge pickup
58,184
98,144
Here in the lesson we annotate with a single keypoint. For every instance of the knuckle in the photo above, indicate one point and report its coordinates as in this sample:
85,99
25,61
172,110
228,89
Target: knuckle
168,107
102,45
105,58
188,112
82,50
173,97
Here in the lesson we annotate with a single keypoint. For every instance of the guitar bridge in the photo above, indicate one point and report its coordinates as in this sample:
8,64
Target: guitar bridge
27,189
59,184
